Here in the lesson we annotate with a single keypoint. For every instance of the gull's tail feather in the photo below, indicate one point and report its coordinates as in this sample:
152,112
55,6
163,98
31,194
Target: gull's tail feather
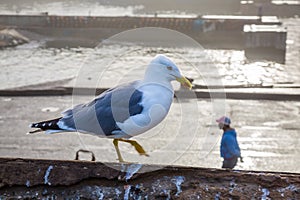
46,125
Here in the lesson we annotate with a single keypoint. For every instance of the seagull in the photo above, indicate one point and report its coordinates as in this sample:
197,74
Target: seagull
126,110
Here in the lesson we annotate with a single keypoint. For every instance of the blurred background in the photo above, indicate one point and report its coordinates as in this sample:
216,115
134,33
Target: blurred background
248,49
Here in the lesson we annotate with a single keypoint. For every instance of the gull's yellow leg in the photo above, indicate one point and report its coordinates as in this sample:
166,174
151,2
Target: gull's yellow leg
136,145
116,144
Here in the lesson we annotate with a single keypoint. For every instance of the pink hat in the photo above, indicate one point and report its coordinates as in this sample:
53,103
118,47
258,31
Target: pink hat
224,120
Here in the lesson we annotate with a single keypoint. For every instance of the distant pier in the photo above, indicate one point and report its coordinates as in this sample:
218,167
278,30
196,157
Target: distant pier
211,31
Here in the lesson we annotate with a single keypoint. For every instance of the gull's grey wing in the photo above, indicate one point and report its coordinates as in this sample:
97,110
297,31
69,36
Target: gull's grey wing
100,115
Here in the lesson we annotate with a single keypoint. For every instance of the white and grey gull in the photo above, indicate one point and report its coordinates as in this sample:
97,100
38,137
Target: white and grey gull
126,110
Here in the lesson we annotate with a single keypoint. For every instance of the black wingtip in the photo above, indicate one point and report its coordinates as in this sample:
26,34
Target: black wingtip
45,125
33,125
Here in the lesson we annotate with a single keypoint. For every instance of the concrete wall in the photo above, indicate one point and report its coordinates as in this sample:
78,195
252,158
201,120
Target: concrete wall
186,24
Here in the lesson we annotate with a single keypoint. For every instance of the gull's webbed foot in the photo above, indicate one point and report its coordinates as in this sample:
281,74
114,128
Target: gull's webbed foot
134,143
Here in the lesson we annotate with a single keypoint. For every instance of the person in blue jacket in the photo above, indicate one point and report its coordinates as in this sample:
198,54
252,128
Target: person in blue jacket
230,150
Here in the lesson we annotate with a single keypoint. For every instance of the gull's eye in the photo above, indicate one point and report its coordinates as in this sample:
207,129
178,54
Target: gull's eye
169,68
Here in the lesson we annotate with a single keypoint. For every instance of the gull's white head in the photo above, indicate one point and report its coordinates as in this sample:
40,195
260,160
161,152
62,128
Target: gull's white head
162,67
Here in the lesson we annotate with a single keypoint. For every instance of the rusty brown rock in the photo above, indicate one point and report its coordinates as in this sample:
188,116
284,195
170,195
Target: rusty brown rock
11,38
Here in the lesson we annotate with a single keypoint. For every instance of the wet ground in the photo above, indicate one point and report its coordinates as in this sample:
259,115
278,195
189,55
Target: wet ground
267,133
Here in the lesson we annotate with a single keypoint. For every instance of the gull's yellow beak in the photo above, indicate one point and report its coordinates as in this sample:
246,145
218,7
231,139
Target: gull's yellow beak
183,81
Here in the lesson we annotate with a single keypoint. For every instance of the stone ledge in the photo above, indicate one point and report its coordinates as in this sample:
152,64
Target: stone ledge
34,179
